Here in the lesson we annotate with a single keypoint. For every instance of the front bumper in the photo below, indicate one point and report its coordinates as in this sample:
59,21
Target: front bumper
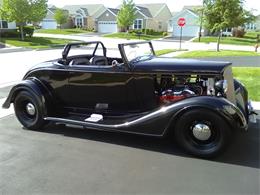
251,113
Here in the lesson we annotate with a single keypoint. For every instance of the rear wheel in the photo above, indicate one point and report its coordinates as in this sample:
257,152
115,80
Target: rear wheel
202,133
29,110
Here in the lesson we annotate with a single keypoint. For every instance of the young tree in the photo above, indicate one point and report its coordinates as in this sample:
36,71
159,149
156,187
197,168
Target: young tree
126,15
222,14
24,11
61,16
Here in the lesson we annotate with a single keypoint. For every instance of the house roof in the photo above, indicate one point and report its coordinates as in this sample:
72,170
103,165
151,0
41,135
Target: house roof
194,8
184,11
90,9
153,8
113,10
174,13
145,11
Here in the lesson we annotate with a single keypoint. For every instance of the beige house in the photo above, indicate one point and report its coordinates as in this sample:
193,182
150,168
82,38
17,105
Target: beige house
85,16
148,16
153,16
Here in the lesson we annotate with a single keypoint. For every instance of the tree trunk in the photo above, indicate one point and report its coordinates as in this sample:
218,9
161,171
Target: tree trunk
219,37
22,35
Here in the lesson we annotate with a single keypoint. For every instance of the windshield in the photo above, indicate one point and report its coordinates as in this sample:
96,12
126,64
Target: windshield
138,51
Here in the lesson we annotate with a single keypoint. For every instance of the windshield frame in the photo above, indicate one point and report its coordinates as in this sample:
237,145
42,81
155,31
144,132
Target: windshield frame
123,54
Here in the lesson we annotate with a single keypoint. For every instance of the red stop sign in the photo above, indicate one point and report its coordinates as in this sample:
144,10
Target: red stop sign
181,22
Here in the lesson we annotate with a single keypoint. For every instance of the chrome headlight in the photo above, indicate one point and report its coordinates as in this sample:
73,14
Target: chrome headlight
221,86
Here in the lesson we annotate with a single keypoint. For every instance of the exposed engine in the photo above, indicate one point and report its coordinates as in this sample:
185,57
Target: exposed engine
175,88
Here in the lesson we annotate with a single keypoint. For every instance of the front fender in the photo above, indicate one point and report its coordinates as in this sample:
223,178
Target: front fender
221,106
31,84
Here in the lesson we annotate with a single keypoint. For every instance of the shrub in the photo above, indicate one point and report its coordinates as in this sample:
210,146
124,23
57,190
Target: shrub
10,33
165,34
27,31
238,32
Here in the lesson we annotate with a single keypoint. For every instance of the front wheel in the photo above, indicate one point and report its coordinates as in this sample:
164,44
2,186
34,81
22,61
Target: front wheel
29,110
202,133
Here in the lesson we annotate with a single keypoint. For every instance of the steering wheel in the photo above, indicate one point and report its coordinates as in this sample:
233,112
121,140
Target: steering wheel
114,63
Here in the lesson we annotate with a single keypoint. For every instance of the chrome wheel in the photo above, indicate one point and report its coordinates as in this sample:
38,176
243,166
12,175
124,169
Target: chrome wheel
201,132
30,109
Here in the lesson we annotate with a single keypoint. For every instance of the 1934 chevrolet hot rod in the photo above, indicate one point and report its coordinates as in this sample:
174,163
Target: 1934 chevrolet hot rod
198,102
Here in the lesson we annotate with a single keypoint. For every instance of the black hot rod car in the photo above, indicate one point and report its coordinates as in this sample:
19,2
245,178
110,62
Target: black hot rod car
197,102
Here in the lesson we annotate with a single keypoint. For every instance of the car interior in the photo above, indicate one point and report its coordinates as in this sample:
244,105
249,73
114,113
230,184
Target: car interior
94,61
97,58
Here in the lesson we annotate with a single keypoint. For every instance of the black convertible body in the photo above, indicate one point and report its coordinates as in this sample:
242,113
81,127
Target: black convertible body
197,102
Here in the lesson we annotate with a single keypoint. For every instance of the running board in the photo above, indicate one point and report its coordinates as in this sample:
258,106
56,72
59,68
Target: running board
100,127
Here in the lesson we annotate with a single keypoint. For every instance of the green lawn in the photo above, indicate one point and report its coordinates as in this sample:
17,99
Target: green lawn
132,36
164,51
250,77
62,31
248,39
35,42
222,53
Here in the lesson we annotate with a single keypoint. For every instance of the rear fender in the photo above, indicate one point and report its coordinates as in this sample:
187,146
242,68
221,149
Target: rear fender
31,84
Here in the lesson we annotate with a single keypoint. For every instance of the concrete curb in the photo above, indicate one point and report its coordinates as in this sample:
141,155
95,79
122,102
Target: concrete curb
14,49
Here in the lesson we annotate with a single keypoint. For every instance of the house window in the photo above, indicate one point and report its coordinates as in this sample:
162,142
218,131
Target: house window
138,24
3,24
79,22
160,25
250,26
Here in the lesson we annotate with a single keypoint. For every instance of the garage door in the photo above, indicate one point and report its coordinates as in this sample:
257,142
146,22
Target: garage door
49,24
107,26
187,31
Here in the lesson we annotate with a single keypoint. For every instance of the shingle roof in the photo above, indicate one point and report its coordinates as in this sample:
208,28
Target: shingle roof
154,8
92,9
194,8
113,10
144,11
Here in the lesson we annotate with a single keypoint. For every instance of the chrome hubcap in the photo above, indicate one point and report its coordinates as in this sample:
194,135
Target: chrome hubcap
30,109
201,132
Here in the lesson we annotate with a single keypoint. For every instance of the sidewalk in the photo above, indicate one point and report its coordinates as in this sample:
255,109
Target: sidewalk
158,44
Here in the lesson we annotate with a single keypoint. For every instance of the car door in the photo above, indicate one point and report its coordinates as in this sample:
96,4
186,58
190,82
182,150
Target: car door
105,89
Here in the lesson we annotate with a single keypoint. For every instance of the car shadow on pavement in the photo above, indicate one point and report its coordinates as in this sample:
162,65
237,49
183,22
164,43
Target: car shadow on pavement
244,150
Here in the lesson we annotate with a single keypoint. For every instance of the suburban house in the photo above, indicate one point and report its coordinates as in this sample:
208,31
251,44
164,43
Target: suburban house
152,16
192,26
5,25
85,16
49,21
253,25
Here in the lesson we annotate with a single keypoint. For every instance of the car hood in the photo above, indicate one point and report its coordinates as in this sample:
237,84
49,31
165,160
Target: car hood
176,65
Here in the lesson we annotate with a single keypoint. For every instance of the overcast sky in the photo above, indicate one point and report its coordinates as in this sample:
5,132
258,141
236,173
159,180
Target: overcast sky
174,5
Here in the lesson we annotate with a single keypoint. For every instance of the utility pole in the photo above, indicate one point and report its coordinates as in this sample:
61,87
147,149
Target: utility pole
1,25
201,19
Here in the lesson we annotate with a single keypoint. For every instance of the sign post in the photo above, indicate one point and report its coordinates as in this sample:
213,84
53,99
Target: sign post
181,23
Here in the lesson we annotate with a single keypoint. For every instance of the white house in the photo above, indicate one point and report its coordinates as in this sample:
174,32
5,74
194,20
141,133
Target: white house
4,24
49,22
192,27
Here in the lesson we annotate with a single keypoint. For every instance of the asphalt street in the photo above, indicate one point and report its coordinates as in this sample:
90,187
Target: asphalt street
62,160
